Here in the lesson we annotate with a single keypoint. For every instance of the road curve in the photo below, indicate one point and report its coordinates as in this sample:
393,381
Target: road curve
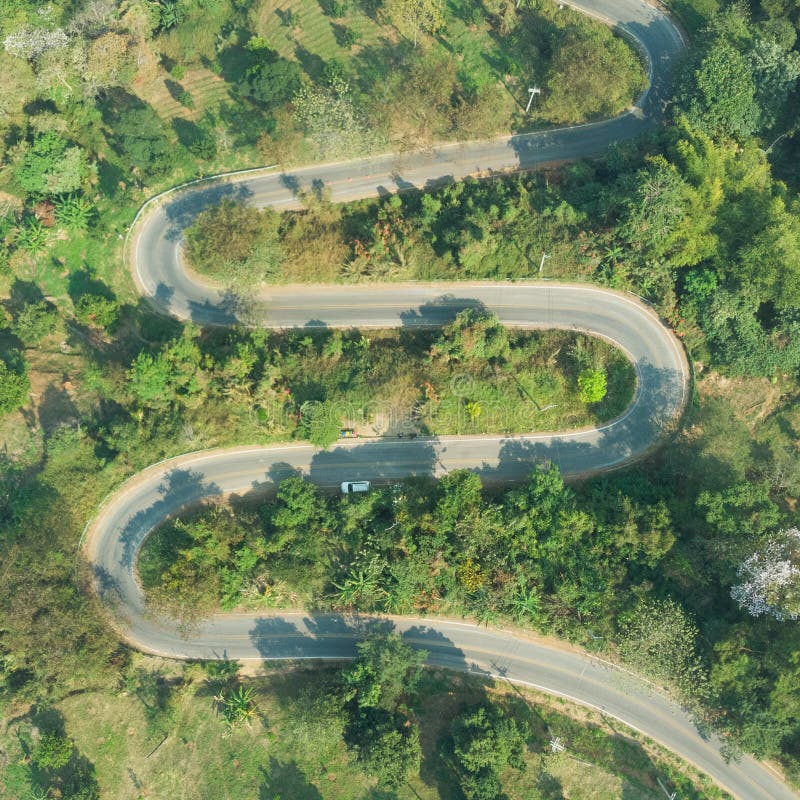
114,537
155,242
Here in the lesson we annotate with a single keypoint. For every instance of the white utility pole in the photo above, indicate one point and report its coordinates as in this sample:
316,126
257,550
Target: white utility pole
556,746
541,264
533,91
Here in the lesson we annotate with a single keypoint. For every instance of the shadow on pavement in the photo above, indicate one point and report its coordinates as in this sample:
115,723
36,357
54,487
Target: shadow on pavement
180,489
334,636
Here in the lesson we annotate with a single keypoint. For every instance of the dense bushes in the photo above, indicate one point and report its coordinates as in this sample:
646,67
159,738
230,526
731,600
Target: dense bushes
235,244
608,560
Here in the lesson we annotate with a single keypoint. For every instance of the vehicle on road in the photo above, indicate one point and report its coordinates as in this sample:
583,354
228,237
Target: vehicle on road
352,487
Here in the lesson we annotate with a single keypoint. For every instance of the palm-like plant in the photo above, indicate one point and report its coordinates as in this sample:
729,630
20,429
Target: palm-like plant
31,236
613,254
362,587
526,605
74,212
238,708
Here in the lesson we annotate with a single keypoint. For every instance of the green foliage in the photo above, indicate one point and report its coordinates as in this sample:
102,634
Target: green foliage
320,422
33,321
739,341
185,99
170,13
271,80
592,385
475,336
577,85
659,640
52,751
235,243
386,671
159,382
389,747
238,707
75,212
51,166
740,77
300,522
141,138
723,99
31,236
484,743
385,674
97,311
411,17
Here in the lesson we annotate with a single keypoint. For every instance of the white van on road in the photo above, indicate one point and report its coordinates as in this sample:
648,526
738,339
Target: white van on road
351,487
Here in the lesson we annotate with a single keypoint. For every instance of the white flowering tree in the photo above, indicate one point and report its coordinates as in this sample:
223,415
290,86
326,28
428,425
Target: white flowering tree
770,578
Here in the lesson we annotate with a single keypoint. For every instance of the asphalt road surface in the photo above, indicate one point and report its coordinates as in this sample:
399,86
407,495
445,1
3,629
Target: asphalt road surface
156,240
114,537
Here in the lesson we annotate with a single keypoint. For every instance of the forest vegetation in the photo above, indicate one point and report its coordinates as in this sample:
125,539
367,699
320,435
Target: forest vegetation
694,551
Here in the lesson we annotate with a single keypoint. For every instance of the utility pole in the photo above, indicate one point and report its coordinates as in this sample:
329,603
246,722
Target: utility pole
670,795
541,264
533,91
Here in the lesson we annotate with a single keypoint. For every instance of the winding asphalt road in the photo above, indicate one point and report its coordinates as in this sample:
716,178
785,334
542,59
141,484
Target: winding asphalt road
114,537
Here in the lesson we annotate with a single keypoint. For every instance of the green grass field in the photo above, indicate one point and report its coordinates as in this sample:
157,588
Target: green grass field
469,80
159,737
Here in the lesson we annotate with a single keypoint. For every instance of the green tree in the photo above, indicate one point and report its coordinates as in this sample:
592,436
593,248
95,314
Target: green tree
34,321
723,100
776,69
592,385
300,523
168,378
658,638
577,85
52,751
141,137
484,743
51,166
376,686
739,343
271,80
388,745
97,311
412,16
320,422
475,336
386,671
718,92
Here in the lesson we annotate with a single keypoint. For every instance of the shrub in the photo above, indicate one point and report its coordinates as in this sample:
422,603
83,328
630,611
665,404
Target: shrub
14,386
52,751
34,321
98,311
593,385
185,99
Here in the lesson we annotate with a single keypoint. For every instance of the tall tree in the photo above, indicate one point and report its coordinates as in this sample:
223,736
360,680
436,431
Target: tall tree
485,742
412,16
771,578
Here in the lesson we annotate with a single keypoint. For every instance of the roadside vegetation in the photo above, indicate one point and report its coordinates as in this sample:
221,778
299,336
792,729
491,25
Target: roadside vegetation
374,730
699,227
693,553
